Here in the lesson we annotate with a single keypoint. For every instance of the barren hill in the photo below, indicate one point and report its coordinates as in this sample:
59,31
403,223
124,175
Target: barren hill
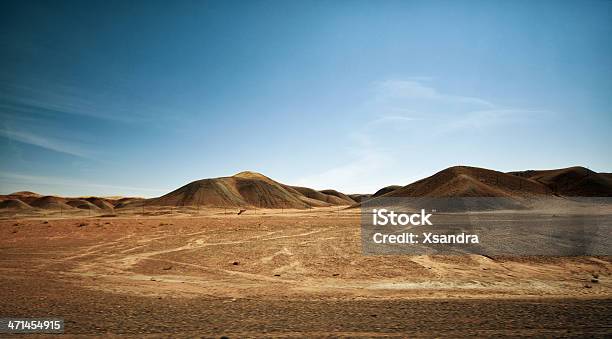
385,190
105,204
314,197
82,204
251,189
329,197
464,181
468,182
572,181
128,202
51,203
360,197
340,195
14,204
247,189
24,196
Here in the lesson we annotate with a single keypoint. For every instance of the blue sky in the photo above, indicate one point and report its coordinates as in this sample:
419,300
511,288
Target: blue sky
141,97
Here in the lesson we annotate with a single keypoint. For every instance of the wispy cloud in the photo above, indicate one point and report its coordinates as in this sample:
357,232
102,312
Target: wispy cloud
56,99
350,177
35,114
487,118
418,90
393,119
417,114
76,101
52,144
419,78
447,113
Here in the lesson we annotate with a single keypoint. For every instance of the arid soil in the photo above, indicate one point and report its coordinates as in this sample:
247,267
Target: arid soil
281,273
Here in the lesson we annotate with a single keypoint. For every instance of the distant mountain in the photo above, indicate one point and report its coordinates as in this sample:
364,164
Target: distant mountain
464,181
51,203
101,203
82,204
14,204
25,196
29,200
322,196
245,189
385,190
360,197
250,189
572,181
340,195
129,202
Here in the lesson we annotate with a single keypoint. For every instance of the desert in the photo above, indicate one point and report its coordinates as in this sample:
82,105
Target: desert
305,169
190,263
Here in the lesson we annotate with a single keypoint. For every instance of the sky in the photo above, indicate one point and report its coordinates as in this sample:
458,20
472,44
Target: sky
137,98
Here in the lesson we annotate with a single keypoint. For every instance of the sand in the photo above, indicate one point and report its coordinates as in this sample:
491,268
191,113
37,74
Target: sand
187,271
290,265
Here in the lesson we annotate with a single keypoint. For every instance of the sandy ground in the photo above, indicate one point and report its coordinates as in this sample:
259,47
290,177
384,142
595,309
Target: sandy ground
280,273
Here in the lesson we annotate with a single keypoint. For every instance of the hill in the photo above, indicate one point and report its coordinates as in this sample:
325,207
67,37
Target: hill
343,197
14,204
467,182
24,196
251,189
464,181
51,203
129,202
385,190
360,197
248,189
317,197
101,203
82,204
571,181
